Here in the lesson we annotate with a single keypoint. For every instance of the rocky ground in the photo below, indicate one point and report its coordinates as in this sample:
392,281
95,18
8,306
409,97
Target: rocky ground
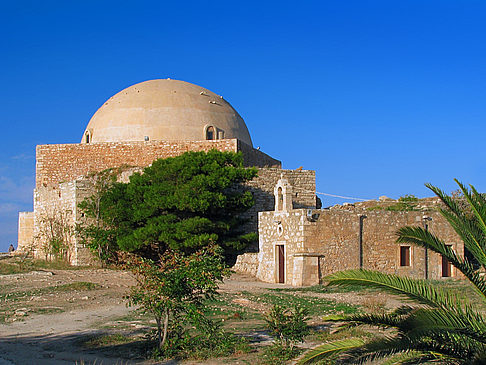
79,316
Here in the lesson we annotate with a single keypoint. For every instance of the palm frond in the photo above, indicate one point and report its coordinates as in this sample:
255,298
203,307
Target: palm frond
461,221
380,348
420,237
379,320
477,204
432,322
469,233
448,329
415,289
408,357
330,349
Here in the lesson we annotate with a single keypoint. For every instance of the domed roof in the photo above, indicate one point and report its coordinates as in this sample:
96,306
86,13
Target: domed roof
165,110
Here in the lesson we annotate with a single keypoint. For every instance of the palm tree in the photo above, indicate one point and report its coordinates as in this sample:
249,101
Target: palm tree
445,327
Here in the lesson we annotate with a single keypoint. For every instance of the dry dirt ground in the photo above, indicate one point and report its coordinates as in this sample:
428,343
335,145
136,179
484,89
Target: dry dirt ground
55,316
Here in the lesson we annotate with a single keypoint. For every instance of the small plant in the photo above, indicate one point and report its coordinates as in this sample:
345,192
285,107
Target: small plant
56,234
288,326
214,341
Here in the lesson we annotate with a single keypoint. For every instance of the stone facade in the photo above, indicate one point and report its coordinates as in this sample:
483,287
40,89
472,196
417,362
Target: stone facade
67,162
313,243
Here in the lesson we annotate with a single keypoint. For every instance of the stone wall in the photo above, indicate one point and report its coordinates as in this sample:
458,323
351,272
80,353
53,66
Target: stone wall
304,187
329,241
55,208
26,232
381,252
254,157
67,162
54,216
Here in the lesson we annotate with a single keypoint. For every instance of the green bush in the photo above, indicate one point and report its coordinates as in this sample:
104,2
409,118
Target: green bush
288,326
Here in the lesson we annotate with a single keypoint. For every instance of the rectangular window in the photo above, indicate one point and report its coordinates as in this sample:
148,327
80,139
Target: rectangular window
404,255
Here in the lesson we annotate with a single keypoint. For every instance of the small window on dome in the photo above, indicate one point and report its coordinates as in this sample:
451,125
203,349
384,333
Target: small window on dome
87,137
210,133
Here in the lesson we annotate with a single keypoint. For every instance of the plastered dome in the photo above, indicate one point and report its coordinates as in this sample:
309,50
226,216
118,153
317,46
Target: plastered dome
165,110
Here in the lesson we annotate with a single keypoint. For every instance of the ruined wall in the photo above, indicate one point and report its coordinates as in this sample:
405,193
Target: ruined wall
55,208
54,216
84,189
247,263
67,162
26,231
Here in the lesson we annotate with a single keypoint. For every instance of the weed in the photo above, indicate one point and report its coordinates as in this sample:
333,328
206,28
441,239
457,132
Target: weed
315,306
46,310
277,354
106,340
76,286
17,265
325,289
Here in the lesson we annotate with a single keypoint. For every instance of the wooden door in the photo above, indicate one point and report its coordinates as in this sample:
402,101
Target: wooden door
281,264
446,268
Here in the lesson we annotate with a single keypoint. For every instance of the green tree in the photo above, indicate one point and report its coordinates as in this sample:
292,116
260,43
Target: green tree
173,289
446,327
183,203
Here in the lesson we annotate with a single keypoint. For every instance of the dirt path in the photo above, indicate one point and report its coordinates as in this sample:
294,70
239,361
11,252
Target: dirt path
85,298
53,339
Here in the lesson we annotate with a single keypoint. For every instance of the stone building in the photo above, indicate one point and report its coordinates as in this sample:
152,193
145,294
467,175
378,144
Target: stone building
298,244
150,120
301,246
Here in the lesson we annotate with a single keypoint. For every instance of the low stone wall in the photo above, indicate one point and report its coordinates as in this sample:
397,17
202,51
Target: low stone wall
247,263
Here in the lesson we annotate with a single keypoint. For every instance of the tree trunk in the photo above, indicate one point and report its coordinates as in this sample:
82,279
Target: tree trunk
159,332
166,326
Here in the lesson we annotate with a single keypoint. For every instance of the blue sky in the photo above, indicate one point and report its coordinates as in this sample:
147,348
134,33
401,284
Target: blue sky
378,97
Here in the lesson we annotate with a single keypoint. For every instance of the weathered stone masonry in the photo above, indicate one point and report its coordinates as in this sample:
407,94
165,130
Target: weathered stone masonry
316,243
67,162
